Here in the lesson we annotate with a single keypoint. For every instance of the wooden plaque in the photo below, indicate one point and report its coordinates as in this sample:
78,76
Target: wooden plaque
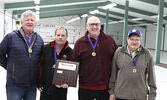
66,72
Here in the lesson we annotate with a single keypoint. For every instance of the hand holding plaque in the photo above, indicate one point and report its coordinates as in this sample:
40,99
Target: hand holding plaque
65,72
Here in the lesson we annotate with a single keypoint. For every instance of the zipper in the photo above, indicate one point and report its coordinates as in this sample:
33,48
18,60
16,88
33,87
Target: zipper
29,55
13,69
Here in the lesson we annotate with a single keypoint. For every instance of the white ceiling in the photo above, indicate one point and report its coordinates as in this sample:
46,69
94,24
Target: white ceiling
14,1
135,4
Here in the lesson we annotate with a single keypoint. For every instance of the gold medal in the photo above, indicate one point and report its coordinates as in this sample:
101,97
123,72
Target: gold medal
134,70
30,50
93,53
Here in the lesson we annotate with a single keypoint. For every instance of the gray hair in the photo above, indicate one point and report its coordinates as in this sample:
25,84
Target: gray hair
27,13
59,28
93,18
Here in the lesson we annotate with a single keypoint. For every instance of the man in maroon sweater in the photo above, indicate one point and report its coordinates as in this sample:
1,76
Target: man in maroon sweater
94,51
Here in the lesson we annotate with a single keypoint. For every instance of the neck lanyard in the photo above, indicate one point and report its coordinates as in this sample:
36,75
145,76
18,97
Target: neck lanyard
134,62
55,53
94,46
28,42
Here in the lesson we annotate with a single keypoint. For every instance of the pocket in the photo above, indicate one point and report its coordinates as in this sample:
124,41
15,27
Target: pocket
13,69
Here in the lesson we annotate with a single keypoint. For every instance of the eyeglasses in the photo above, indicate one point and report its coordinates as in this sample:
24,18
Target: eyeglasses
134,40
92,24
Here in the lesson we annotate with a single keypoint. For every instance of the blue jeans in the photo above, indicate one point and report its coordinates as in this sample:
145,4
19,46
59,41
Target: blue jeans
16,92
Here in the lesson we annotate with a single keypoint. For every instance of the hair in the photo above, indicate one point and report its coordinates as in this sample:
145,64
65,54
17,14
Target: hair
59,28
27,13
90,18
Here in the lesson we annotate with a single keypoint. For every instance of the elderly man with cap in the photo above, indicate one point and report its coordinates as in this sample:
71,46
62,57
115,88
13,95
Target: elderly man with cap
133,76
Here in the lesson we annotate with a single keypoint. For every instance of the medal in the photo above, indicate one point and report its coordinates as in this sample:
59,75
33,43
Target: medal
134,70
54,66
93,53
94,46
29,43
30,50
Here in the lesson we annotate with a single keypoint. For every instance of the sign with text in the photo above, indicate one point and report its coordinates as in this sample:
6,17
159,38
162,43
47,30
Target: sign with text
65,72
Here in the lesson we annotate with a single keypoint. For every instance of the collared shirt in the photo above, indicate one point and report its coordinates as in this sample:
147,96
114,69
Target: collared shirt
22,33
33,34
133,53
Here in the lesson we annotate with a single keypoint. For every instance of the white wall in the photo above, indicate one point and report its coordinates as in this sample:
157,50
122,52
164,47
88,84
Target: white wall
1,19
116,30
46,28
151,36
151,33
148,35
165,45
8,22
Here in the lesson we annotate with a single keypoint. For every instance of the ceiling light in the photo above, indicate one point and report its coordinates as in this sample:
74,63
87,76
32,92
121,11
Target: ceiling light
113,22
137,19
121,21
156,16
145,24
84,15
37,7
37,12
94,11
37,2
72,20
109,6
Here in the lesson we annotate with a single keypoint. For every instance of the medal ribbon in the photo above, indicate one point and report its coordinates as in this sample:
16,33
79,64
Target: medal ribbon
28,42
94,46
134,62
55,53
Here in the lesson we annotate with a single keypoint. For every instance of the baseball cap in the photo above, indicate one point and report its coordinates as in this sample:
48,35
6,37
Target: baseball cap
134,31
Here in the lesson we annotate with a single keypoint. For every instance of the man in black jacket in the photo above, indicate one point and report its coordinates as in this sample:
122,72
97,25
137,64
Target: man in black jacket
57,49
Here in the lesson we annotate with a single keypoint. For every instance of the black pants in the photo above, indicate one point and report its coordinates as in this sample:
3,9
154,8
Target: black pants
130,99
85,94
55,96
120,99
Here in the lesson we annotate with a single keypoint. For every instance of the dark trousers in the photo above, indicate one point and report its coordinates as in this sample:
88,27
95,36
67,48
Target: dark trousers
129,99
120,99
16,92
55,96
85,94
